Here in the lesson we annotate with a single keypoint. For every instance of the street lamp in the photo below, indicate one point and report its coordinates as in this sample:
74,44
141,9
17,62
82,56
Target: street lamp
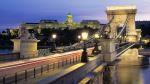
120,39
54,36
125,37
84,57
79,38
96,50
96,36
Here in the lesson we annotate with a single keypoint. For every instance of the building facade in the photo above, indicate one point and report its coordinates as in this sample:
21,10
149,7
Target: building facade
54,24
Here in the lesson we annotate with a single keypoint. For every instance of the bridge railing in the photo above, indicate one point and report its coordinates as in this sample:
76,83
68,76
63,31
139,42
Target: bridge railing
123,48
73,76
64,60
46,52
145,52
35,72
96,76
67,49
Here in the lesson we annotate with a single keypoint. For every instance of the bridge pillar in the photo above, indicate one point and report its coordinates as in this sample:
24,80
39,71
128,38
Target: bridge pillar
108,50
28,46
16,47
131,30
123,15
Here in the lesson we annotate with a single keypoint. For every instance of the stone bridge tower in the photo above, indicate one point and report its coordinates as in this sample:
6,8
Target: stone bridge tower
121,15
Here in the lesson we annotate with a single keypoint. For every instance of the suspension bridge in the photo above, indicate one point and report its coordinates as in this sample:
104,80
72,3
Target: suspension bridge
74,65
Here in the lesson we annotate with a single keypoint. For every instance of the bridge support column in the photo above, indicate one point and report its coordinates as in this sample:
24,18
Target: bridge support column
123,15
108,50
16,47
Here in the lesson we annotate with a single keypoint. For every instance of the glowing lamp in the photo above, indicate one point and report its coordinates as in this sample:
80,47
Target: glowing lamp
84,35
54,36
96,36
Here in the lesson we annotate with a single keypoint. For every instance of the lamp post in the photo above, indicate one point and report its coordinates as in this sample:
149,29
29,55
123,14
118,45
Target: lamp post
125,38
96,50
79,38
120,39
54,36
84,57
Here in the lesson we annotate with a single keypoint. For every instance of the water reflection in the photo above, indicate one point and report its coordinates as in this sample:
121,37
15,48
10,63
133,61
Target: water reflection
5,51
145,60
127,75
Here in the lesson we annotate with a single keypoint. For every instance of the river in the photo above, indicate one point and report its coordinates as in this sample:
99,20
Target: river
5,51
127,75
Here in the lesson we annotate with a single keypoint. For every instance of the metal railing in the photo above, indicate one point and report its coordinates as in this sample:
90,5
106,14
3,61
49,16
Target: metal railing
37,71
74,76
123,48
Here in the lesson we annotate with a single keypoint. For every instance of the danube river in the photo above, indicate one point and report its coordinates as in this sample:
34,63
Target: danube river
128,75
6,51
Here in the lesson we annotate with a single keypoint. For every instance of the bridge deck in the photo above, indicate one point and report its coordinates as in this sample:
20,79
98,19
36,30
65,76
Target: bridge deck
32,67
145,52
54,75
13,67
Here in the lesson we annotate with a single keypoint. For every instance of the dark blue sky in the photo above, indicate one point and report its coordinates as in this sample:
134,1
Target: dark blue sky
14,12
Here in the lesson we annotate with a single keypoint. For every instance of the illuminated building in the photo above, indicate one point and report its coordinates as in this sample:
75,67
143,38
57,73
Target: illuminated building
54,24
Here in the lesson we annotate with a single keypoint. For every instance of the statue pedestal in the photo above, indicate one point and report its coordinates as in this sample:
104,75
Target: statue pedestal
16,47
28,48
108,50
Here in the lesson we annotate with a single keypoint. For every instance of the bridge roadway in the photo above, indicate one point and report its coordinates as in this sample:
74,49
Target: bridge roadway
145,52
18,66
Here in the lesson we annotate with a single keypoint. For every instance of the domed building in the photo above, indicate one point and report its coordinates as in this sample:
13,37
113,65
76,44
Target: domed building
54,24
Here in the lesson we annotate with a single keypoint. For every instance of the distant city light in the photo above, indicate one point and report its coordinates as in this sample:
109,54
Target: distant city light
79,37
54,36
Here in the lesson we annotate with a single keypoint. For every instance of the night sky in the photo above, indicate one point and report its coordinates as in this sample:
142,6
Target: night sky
14,12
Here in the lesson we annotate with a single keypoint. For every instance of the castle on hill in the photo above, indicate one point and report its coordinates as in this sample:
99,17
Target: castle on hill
49,24
54,24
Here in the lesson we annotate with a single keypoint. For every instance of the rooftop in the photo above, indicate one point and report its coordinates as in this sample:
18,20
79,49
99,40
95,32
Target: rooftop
87,21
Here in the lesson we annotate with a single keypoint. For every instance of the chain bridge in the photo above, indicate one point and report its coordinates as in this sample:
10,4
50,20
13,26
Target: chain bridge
71,64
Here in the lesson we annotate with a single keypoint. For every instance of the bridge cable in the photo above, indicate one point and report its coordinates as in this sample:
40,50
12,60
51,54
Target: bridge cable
100,31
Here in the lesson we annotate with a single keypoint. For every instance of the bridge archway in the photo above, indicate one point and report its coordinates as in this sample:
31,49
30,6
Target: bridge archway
123,16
